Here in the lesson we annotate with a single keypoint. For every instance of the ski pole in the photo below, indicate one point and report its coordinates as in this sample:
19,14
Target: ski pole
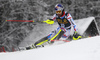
48,22
21,20
25,21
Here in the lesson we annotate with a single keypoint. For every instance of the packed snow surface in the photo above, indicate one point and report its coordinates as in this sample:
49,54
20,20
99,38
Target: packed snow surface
83,49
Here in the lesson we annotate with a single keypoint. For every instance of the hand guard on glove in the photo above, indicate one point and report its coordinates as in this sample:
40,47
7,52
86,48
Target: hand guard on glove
49,21
76,36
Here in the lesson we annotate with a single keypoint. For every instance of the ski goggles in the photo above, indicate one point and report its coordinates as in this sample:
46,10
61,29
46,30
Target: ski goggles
58,12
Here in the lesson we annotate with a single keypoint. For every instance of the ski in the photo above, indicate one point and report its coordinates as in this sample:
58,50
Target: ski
30,47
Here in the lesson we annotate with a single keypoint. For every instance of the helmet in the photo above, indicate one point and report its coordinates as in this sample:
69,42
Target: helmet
59,7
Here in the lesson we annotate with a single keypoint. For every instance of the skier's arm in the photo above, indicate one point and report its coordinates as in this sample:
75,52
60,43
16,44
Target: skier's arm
54,17
69,17
76,36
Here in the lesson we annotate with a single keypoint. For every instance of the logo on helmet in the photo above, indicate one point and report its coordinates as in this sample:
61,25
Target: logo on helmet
59,7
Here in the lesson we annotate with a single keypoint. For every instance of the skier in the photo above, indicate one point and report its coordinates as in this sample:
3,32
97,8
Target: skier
65,21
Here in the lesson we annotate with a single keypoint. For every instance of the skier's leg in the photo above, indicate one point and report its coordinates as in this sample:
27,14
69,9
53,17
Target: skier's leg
67,33
51,36
41,41
57,34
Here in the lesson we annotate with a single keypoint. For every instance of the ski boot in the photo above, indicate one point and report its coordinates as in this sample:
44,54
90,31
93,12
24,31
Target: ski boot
31,47
34,46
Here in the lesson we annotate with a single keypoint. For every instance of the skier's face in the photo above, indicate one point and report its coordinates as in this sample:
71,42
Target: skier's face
59,13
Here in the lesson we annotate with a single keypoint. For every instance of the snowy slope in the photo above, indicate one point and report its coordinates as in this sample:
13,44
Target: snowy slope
84,49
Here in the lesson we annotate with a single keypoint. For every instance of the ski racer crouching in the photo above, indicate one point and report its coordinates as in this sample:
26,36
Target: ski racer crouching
65,21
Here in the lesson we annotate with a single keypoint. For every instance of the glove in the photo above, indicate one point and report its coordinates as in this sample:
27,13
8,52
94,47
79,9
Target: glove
49,21
76,36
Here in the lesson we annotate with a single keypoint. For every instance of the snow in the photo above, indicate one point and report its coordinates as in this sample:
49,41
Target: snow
83,49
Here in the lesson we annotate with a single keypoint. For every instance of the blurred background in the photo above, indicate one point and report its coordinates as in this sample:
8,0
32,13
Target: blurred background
12,33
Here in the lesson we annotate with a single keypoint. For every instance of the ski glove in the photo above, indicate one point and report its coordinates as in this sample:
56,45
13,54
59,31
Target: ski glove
76,36
49,21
